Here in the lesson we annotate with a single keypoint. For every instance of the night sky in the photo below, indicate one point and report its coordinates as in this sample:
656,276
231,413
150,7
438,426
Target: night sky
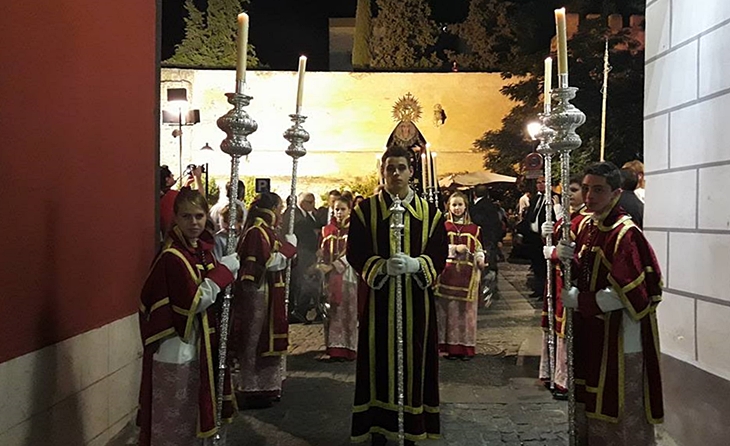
281,30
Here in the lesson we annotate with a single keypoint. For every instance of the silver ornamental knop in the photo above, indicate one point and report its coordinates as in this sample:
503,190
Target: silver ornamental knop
237,125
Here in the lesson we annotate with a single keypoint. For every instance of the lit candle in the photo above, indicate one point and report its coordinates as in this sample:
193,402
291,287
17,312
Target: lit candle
424,174
242,45
434,180
300,87
562,42
548,83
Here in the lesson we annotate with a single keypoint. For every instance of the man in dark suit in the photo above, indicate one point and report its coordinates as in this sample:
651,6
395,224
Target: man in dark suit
325,213
628,200
306,228
533,241
485,214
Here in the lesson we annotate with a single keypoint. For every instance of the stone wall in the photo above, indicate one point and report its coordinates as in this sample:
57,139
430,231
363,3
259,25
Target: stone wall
687,219
349,120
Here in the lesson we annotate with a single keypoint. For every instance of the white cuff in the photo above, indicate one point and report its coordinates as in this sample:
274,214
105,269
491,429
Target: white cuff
208,292
607,300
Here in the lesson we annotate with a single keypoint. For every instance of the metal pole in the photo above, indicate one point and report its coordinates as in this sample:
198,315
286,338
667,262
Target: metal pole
179,135
606,69
237,125
545,136
297,136
564,119
396,227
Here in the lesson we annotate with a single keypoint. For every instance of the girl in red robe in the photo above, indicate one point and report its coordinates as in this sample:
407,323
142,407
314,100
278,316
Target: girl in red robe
177,323
342,282
260,337
457,288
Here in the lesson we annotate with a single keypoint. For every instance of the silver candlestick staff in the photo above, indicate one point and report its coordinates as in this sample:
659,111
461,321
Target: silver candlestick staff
564,119
396,228
297,136
237,125
545,135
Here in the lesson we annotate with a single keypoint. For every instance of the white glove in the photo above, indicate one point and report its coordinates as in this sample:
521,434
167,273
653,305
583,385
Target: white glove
395,266
339,266
231,262
412,265
291,238
452,251
547,252
569,297
479,259
546,228
608,300
566,251
277,262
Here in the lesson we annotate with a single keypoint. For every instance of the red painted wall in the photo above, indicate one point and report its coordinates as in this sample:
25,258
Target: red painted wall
78,122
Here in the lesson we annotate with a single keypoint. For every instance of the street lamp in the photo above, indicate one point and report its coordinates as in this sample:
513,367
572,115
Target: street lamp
178,99
533,129
207,151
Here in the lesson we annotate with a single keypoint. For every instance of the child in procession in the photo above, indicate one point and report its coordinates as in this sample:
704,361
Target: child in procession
457,288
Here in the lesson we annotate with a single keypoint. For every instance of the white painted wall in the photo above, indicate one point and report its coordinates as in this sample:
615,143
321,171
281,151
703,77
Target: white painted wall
687,218
81,391
349,120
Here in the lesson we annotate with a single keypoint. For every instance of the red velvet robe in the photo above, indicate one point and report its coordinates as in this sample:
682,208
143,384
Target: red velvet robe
334,246
258,244
460,278
168,303
369,246
613,252
578,219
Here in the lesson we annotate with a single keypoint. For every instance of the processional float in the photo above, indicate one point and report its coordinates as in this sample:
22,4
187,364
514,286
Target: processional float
558,136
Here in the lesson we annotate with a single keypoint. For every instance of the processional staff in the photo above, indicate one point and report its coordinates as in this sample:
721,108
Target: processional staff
564,119
604,91
237,125
396,229
545,135
297,136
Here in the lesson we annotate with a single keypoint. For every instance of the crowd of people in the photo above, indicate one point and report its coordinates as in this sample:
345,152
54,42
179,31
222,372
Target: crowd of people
344,265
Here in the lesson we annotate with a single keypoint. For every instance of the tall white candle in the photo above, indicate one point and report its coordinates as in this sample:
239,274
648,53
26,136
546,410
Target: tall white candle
562,35
434,178
300,86
548,83
242,46
424,172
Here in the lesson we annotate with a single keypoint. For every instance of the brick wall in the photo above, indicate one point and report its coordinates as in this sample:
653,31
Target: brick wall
687,102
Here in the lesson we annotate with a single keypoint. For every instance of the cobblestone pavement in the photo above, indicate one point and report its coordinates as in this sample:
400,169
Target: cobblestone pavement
494,399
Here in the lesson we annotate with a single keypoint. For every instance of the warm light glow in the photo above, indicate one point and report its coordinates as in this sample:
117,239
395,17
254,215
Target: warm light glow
533,129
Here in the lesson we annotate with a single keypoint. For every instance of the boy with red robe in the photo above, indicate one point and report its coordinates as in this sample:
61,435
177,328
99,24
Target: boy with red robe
616,290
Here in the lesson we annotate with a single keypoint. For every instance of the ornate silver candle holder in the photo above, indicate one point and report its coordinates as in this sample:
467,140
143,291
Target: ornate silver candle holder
297,136
396,228
564,119
545,136
237,125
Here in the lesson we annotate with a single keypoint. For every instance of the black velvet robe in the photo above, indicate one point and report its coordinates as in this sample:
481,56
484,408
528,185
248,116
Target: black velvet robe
369,247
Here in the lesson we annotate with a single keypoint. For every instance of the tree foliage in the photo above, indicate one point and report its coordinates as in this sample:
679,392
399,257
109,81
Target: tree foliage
363,28
210,36
403,36
505,148
488,36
